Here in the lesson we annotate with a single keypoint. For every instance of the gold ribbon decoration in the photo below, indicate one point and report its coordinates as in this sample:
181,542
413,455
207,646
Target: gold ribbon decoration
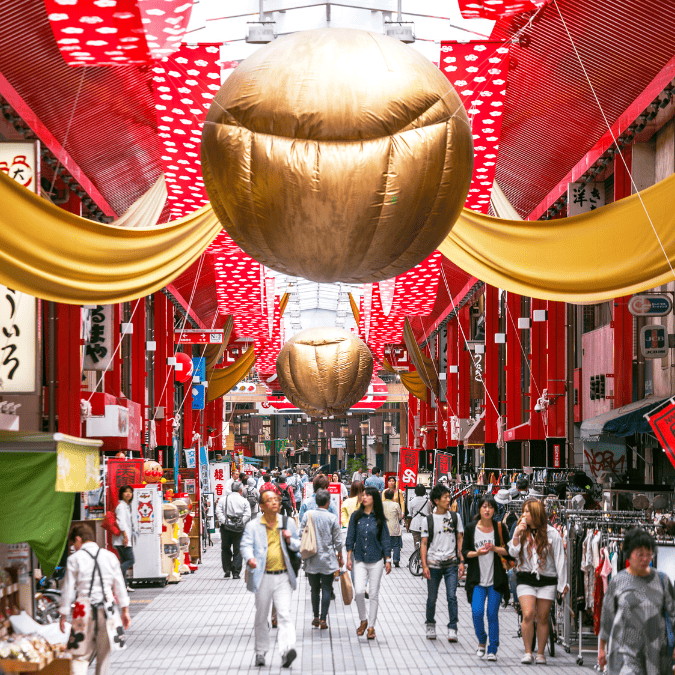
355,308
283,302
423,364
222,380
212,353
410,380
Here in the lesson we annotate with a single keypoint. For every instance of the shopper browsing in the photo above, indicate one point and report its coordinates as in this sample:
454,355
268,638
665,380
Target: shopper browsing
368,547
233,512
392,512
321,567
540,570
265,546
441,554
128,530
93,578
485,542
344,493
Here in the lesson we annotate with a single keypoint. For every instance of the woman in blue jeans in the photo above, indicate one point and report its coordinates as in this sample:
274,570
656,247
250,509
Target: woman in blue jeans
485,543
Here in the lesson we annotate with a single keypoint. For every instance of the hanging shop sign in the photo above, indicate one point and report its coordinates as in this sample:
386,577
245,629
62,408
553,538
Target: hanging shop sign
190,457
200,337
654,341
663,424
198,397
122,472
408,466
19,161
18,339
652,304
98,348
443,465
220,473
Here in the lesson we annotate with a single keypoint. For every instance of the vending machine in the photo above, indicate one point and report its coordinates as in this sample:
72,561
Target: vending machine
146,508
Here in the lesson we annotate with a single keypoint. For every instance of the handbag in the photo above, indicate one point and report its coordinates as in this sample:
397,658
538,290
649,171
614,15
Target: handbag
294,557
110,524
670,635
308,543
232,523
346,587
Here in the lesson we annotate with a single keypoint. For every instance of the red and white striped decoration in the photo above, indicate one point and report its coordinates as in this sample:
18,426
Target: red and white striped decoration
498,9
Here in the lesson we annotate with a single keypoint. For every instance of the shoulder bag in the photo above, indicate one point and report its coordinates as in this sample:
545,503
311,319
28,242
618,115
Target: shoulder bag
232,523
308,543
296,560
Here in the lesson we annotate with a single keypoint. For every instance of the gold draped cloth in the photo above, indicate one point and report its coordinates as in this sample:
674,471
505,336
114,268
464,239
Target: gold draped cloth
222,380
410,380
612,251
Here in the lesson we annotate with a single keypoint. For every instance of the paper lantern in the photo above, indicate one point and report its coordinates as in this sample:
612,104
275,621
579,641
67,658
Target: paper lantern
337,155
184,373
324,371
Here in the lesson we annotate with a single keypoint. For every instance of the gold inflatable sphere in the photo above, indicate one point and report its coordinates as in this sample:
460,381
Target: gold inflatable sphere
324,371
337,155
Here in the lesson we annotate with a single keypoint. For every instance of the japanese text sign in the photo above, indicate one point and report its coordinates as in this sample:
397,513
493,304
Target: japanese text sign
408,465
220,472
98,348
18,323
199,337
663,423
584,197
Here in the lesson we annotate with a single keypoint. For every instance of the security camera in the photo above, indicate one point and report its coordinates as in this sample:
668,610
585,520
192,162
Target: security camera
537,407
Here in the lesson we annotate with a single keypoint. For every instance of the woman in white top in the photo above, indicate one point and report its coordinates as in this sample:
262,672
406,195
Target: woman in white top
540,571
127,526
343,488
418,509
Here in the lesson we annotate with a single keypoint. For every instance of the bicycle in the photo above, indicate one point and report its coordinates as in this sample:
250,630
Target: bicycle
552,629
415,563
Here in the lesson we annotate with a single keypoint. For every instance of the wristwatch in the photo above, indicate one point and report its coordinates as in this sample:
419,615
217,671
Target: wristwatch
387,561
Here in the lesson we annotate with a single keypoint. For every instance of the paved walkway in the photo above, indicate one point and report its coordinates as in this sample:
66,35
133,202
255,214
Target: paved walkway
204,624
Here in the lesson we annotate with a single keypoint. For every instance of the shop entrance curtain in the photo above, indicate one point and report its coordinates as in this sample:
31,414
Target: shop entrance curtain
32,510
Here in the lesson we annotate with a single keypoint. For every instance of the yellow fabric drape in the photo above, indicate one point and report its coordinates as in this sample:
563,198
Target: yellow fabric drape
355,308
221,380
283,302
411,381
55,255
424,365
593,257
212,353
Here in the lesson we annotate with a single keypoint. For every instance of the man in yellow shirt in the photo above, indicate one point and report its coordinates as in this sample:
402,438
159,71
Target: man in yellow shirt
267,548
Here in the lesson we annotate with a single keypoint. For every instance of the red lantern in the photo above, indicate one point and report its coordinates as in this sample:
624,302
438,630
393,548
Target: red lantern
184,373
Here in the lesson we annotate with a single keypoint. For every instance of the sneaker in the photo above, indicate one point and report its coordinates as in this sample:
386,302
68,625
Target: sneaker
480,652
397,564
492,657
288,658
130,590
236,576
259,659
527,659
431,631
540,660
452,635
226,575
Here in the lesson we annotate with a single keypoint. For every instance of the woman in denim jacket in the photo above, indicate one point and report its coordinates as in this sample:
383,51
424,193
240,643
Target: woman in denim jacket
368,545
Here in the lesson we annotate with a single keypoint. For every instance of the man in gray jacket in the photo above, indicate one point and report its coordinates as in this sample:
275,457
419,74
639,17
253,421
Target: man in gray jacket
266,548
233,512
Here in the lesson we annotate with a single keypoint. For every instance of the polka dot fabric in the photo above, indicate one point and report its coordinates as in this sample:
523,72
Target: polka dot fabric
498,9
117,32
184,85
478,71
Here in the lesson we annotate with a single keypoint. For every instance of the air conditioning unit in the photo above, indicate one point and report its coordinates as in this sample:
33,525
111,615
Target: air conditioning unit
260,32
400,30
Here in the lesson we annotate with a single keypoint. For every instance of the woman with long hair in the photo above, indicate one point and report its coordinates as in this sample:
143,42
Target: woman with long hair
368,547
127,526
540,571
335,478
352,503
485,542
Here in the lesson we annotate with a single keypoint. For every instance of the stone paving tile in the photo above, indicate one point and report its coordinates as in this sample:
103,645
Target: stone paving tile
204,624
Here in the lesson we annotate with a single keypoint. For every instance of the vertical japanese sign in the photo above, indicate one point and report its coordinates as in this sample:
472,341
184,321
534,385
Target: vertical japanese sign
18,330
203,470
98,348
18,311
408,466
122,472
663,424
220,472
443,460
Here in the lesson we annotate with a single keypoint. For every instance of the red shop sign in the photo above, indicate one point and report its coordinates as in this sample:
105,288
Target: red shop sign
408,465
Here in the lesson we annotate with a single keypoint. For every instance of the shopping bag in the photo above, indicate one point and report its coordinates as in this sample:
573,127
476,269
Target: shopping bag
308,545
346,587
110,524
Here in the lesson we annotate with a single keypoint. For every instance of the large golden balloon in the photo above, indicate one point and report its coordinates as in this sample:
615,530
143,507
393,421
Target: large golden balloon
337,155
324,371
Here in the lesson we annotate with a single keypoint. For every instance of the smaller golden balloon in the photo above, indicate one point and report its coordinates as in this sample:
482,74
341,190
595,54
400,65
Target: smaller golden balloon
324,371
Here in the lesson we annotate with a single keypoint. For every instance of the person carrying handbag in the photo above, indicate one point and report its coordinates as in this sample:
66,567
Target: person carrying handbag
93,579
233,513
320,568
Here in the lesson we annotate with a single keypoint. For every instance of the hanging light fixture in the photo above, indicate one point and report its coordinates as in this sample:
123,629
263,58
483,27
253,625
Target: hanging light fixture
387,426
344,429
365,426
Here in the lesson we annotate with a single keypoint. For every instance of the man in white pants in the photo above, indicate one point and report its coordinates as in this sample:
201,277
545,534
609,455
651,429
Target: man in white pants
266,547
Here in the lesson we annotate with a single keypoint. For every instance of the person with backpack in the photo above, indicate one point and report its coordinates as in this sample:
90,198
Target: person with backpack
418,509
252,496
441,554
233,512
287,496
485,549
368,546
293,481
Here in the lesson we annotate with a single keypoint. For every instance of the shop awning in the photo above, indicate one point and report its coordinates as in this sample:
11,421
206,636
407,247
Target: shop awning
621,422
40,474
476,434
